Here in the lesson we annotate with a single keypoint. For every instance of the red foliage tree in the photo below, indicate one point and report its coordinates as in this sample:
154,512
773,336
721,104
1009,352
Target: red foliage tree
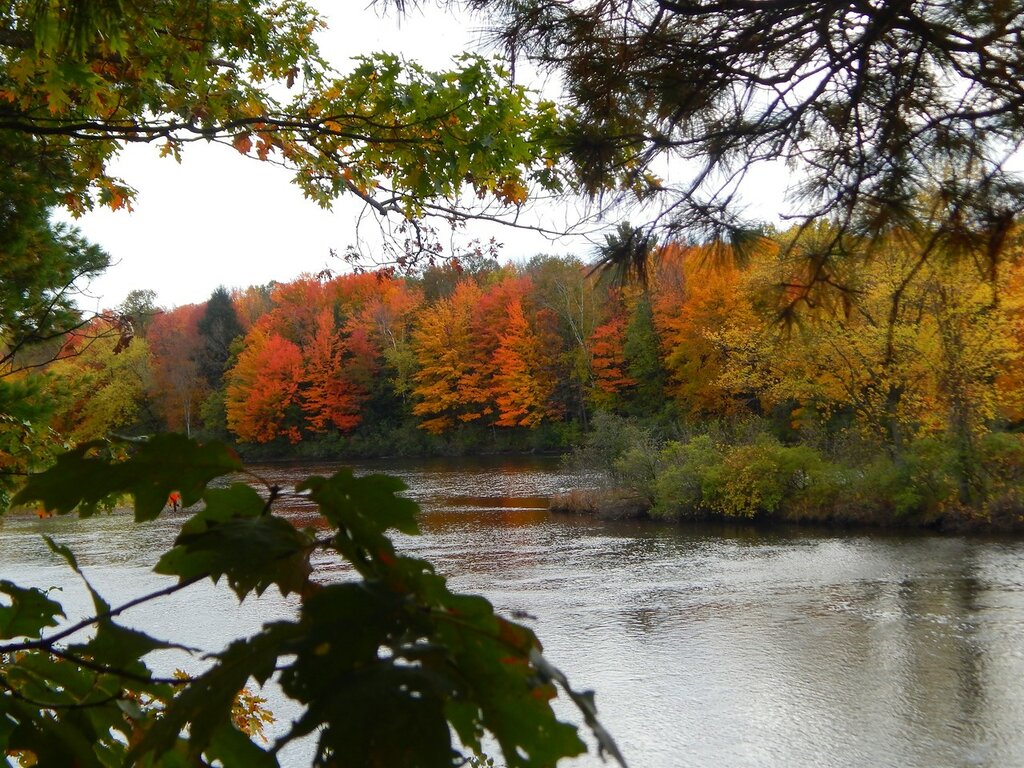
327,396
296,308
489,317
607,357
177,386
262,386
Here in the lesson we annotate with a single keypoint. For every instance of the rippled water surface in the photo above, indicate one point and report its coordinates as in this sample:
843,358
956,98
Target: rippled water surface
707,646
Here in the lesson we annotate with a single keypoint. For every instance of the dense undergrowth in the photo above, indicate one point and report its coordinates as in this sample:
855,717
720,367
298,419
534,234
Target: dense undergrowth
743,469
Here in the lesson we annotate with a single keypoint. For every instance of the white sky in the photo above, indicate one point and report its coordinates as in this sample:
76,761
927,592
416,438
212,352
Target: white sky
221,219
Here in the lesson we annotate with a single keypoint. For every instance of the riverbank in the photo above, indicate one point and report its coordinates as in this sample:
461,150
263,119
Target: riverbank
744,470
403,439
1000,517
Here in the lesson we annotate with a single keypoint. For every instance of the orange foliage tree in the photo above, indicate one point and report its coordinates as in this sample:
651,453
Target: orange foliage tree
523,383
451,385
695,293
489,316
262,387
296,308
345,330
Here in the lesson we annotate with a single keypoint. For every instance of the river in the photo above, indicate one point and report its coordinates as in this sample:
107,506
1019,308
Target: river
707,645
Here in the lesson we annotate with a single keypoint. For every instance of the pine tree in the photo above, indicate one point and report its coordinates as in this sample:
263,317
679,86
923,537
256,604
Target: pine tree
218,327
643,361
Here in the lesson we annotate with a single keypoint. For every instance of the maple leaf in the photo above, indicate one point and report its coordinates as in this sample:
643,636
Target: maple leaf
242,143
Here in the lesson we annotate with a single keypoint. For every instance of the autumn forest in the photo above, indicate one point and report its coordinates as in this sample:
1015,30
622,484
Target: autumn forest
902,382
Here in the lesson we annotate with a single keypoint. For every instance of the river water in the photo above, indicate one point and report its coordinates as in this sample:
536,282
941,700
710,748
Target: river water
707,646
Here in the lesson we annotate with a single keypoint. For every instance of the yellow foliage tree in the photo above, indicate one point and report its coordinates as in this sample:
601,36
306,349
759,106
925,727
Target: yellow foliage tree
98,384
914,351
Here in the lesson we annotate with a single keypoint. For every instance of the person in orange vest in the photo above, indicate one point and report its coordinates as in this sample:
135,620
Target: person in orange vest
174,500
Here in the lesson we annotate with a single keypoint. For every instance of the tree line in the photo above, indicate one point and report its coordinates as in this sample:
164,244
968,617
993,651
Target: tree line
522,356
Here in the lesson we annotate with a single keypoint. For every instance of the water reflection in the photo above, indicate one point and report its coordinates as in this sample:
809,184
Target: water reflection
708,645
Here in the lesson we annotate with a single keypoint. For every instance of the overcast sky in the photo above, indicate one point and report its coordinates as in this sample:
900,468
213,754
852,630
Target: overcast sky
221,219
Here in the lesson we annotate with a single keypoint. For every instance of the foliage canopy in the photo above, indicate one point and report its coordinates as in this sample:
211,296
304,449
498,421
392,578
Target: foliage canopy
79,81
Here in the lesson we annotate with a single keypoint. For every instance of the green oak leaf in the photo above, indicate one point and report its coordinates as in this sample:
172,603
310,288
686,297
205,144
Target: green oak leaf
370,502
119,647
231,747
46,679
222,504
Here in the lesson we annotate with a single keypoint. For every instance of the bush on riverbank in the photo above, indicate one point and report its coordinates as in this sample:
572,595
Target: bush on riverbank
702,477
746,472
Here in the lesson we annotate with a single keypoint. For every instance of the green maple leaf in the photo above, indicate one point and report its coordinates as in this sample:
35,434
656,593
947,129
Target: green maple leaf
88,477
29,612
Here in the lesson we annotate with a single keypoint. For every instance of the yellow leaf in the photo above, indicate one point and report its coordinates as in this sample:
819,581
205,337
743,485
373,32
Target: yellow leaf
253,108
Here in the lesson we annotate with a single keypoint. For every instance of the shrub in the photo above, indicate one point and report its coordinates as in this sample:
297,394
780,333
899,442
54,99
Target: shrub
758,477
701,477
687,472
1002,456
610,439
931,469
636,470
922,483
1002,459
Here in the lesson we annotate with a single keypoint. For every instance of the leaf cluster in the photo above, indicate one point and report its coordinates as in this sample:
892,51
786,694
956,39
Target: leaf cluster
390,666
78,81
